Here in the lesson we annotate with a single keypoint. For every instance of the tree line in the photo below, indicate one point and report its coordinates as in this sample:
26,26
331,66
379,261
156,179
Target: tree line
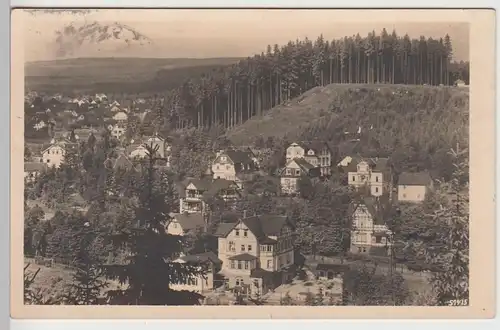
230,96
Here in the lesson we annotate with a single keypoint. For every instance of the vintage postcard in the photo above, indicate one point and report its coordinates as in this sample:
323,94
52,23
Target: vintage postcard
225,163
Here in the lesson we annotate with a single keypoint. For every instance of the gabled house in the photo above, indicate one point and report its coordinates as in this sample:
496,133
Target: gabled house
119,163
293,171
372,173
234,165
118,131
257,252
369,229
120,117
184,223
32,170
317,153
193,193
413,187
53,155
208,264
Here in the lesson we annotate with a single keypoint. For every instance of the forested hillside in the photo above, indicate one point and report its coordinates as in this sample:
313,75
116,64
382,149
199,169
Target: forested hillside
415,125
254,85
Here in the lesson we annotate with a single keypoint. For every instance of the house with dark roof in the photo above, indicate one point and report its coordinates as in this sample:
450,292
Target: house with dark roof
317,153
234,165
292,172
374,174
32,170
193,193
207,263
257,252
369,229
184,223
413,186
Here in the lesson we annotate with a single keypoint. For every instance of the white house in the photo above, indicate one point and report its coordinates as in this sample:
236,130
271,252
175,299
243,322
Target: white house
54,154
120,117
413,187
293,171
183,223
257,252
233,165
373,173
317,153
369,230
208,264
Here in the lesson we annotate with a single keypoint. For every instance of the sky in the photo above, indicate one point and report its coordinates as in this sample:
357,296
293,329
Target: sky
234,33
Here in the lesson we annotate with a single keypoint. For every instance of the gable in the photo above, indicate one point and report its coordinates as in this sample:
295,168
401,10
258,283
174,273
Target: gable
191,186
293,164
362,212
223,159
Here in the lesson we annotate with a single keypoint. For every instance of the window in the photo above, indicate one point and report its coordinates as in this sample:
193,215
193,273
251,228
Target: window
232,246
237,232
353,178
297,172
262,248
249,248
288,171
175,225
243,248
384,240
48,160
376,179
232,264
376,189
246,264
269,248
223,158
287,258
245,233
239,264
217,166
269,264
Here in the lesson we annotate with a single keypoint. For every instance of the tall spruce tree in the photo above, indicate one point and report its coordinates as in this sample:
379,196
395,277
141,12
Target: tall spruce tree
149,271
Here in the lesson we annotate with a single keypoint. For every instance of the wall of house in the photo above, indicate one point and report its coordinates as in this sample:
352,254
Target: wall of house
31,176
411,193
361,235
53,156
223,168
294,151
238,240
174,228
200,283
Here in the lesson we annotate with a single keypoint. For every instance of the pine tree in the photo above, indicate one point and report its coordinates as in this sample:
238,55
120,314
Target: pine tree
149,270
88,280
309,300
452,227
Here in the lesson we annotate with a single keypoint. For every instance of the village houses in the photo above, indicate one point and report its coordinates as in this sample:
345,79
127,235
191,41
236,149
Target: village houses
374,174
234,165
293,171
369,234
316,153
413,187
32,170
257,253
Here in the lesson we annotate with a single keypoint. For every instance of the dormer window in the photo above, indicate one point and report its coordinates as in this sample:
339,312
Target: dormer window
237,232
223,158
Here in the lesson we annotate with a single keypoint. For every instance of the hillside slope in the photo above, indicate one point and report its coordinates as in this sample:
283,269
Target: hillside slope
416,125
108,75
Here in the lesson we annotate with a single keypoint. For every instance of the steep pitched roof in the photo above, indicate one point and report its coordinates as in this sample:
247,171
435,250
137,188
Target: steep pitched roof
220,184
375,206
240,157
200,184
190,221
261,226
414,179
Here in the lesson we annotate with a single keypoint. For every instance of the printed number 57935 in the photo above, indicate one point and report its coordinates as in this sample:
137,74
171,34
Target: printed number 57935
458,302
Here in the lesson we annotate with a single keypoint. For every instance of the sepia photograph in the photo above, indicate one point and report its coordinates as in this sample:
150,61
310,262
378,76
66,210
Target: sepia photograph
237,158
